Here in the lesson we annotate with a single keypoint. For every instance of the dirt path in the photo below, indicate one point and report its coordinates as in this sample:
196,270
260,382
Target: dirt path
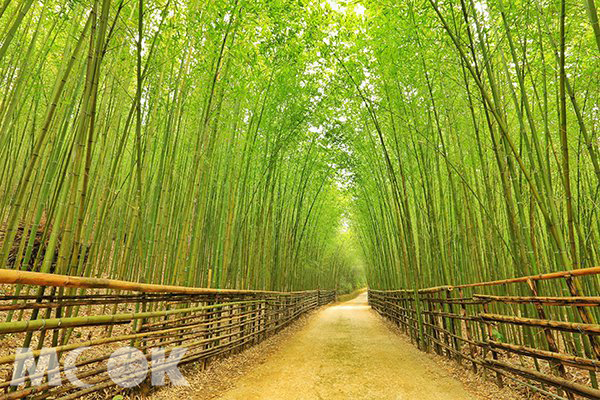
346,352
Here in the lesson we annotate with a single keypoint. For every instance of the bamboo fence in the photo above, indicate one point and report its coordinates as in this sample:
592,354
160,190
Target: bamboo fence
549,344
209,323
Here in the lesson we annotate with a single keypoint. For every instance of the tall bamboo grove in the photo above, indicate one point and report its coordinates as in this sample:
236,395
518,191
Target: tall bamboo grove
167,142
279,144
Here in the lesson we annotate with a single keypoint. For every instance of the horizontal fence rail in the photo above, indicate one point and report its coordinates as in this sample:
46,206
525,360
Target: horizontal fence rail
63,314
539,330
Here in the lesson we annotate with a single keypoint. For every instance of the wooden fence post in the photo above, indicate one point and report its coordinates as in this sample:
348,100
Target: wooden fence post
464,314
550,341
490,336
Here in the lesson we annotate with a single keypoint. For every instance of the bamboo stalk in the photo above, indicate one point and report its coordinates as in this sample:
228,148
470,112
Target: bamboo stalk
542,323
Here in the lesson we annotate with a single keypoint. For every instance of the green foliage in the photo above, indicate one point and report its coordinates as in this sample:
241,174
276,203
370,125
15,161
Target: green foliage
261,144
187,158
462,170
498,336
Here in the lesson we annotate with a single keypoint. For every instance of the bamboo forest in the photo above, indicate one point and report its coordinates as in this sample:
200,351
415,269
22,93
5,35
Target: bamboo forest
299,199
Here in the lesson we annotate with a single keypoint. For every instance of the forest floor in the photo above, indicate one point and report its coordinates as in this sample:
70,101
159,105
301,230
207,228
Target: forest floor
345,351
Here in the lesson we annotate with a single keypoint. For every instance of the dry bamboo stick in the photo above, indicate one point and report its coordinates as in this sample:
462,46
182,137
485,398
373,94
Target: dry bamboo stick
552,275
564,384
541,323
574,361
8,276
583,301
71,322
